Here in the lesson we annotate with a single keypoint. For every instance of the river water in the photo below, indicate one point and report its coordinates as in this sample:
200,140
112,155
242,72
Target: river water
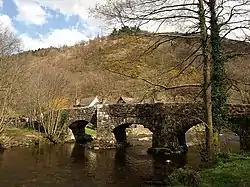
72,165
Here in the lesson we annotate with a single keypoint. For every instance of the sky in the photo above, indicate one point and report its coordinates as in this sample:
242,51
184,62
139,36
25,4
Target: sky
45,23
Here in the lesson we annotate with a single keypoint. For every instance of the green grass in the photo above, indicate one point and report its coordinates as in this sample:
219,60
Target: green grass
90,131
230,172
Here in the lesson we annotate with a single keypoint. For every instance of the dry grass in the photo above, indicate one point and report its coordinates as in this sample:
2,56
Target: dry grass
13,137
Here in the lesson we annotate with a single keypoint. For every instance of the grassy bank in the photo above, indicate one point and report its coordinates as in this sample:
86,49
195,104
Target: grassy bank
13,137
90,131
231,171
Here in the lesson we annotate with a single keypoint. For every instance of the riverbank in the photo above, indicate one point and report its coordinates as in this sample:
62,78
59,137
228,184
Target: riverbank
232,170
14,137
229,170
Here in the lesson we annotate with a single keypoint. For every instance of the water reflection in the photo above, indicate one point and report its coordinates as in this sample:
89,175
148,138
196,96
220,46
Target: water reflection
74,165
79,155
161,168
120,157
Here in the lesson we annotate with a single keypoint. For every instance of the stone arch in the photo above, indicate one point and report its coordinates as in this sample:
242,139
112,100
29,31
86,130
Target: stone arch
182,127
77,123
86,114
146,122
193,135
78,129
120,124
236,125
120,132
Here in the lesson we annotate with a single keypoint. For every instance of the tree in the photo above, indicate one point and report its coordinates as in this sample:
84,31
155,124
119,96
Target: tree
46,101
207,79
234,19
167,12
10,69
220,18
126,30
10,42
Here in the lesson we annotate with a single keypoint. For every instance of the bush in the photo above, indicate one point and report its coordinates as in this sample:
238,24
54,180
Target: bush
54,124
63,118
223,156
126,30
185,176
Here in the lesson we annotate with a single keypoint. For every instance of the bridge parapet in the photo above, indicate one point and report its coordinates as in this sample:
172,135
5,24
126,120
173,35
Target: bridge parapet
157,109
150,110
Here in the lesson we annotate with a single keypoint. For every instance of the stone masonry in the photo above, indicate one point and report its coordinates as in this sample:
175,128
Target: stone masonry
167,121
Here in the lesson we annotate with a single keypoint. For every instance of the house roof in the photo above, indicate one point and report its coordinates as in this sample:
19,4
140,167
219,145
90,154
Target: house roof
110,101
120,100
128,100
87,101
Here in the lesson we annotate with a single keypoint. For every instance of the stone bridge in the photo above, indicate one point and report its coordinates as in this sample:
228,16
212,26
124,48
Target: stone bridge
167,121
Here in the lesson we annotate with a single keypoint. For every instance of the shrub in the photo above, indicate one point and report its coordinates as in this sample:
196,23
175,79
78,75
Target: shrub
185,176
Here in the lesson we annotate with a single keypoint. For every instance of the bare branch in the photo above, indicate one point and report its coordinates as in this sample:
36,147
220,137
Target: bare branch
157,85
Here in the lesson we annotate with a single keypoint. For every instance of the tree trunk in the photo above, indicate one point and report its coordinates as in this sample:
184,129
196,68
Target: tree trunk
207,80
219,95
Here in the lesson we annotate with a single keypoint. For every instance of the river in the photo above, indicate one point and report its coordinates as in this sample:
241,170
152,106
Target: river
72,165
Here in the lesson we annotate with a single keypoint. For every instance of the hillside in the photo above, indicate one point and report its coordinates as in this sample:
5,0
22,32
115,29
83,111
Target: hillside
57,76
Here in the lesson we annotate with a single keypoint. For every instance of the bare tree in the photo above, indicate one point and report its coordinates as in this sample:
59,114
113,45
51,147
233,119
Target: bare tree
190,13
10,43
45,101
219,18
10,69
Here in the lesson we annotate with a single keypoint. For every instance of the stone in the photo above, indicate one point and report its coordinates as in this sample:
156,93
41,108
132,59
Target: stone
70,136
167,122
112,142
144,139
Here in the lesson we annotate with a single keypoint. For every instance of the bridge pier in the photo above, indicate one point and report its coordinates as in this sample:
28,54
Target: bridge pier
245,138
245,142
166,145
105,137
241,125
166,141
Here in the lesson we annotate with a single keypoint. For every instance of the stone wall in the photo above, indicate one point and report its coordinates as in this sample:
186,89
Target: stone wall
84,113
168,122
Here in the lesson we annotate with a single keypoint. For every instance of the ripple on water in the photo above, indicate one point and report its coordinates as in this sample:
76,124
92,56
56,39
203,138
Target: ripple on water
73,165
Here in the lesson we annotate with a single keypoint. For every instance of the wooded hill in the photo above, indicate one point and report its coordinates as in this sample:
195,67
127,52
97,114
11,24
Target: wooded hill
141,66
